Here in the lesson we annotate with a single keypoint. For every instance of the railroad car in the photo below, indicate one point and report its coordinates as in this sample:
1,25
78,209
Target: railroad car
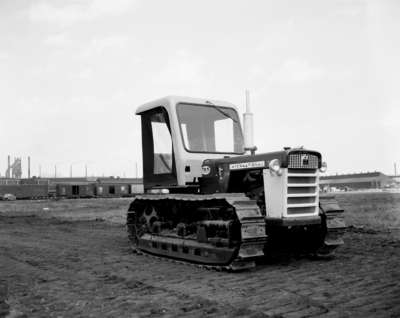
75,190
25,191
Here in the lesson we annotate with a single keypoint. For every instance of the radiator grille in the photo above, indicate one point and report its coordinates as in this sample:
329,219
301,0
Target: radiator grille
302,191
303,161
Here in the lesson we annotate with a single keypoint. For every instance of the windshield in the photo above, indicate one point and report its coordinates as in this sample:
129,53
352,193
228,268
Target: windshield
210,129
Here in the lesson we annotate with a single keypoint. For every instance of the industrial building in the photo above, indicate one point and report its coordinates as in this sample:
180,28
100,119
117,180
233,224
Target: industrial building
357,181
70,187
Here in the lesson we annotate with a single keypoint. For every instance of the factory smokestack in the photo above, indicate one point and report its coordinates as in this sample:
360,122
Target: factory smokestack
8,174
29,167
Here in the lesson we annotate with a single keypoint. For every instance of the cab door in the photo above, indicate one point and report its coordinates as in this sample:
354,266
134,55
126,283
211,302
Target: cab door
159,169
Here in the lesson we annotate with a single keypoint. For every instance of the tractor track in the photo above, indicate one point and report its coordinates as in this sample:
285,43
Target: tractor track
54,268
246,211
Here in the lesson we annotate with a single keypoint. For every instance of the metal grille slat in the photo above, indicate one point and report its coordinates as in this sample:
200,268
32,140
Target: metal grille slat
302,195
301,205
302,174
302,185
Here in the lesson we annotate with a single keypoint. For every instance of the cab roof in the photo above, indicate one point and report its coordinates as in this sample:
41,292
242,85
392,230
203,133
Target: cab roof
170,102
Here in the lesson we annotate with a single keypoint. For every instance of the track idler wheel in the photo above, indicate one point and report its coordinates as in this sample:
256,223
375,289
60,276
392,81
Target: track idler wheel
333,225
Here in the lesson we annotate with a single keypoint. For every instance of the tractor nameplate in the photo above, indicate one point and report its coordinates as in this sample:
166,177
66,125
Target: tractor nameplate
247,165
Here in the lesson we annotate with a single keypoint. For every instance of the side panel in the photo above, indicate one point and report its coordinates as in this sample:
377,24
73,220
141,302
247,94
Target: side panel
275,188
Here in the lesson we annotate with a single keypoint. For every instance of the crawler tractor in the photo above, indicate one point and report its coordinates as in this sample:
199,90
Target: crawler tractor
209,201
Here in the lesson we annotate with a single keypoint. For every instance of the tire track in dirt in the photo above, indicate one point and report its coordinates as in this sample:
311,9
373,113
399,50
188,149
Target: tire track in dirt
56,280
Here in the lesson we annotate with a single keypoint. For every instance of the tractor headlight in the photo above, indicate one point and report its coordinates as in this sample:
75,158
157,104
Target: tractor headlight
275,167
205,170
324,166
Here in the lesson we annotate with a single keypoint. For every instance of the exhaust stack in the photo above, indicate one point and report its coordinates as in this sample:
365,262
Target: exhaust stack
248,127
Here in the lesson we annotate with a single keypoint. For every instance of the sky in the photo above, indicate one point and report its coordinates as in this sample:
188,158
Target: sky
322,74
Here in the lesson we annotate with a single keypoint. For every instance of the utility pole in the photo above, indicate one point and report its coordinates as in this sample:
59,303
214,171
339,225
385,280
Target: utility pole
86,171
136,170
55,171
40,171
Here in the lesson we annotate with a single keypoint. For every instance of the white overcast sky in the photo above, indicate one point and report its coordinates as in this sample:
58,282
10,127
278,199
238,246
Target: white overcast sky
323,74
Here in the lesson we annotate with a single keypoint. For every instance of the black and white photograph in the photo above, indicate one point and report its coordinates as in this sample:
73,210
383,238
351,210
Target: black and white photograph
185,158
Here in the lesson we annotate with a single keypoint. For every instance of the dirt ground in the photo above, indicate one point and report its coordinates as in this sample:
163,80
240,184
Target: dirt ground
72,259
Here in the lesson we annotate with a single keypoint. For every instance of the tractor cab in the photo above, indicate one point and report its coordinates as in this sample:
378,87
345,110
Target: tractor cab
179,133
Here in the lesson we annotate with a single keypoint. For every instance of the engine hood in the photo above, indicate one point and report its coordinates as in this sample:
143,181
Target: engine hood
262,160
